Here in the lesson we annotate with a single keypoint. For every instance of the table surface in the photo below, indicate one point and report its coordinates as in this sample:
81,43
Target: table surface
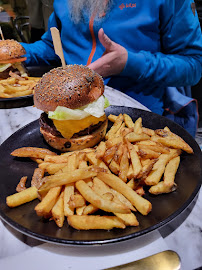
182,235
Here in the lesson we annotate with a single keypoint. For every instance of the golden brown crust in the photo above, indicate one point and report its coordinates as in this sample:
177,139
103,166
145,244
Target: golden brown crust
72,144
11,49
71,87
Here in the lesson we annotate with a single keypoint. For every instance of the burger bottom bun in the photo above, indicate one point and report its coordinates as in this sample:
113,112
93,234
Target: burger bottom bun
73,144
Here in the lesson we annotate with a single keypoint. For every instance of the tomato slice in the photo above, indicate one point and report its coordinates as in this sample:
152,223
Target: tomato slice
14,60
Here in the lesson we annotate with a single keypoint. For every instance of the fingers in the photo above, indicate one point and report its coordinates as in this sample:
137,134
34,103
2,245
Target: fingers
105,40
101,65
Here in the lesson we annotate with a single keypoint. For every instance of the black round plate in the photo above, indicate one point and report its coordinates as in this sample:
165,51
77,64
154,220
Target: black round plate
165,207
24,101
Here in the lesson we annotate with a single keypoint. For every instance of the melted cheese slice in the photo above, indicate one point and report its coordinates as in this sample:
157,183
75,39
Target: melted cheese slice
68,127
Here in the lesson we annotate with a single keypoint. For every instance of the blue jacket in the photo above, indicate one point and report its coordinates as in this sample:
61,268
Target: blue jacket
163,39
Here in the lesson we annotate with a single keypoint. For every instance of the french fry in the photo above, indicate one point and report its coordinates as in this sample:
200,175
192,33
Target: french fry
130,173
117,124
79,210
90,209
100,150
4,95
124,165
28,82
103,190
133,183
9,89
135,161
8,80
2,89
126,131
128,219
37,160
146,169
148,131
118,197
138,126
56,159
76,200
24,196
20,93
167,129
32,152
58,211
114,167
158,169
161,188
72,164
128,121
65,178
120,130
98,201
119,152
37,177
83,164
147,153
51,168
112,118
156,148
113,141
147,142
134,137
109,153
123,199
91,157
170,139
86,222
140,190
170,171
141,204
21,185
45,206
68,192
33,78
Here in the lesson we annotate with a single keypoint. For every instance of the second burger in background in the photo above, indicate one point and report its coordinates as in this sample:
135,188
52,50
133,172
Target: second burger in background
73,104
11,58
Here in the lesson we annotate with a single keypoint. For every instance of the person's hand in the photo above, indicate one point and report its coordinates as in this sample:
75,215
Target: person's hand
113,60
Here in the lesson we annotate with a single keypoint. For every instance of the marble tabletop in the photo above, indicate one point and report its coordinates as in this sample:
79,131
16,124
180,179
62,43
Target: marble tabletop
182,235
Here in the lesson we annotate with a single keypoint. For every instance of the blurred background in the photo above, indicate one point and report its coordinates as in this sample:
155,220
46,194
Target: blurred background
26,20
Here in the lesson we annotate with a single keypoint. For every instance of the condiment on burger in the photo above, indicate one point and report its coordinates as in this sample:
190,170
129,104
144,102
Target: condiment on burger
11,58
73,104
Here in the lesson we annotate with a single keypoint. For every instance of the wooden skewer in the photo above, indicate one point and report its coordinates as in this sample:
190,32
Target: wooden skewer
1,33
57,44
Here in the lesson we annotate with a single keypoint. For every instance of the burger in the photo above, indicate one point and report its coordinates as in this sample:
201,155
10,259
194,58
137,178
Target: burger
11,58
73,105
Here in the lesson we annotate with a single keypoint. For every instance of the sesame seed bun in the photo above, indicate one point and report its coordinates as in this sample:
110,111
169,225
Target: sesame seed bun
10,49
71,87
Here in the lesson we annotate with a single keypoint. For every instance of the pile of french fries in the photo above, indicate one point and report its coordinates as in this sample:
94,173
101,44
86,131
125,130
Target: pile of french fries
103,187
17,86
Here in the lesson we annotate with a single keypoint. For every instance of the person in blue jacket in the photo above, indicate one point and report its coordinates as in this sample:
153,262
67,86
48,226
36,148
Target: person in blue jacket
150,50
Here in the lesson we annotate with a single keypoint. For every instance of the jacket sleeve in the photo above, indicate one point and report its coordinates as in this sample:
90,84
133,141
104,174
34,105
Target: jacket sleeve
180,61
42,52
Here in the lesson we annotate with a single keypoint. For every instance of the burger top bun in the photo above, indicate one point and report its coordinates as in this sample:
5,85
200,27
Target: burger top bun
71,87
10,49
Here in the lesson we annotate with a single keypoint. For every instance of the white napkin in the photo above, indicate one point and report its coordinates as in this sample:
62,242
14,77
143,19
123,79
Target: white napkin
51,256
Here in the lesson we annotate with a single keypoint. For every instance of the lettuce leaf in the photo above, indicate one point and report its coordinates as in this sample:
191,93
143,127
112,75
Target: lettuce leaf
95,108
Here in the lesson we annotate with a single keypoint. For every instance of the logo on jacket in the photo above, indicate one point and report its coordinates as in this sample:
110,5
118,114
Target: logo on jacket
130,5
